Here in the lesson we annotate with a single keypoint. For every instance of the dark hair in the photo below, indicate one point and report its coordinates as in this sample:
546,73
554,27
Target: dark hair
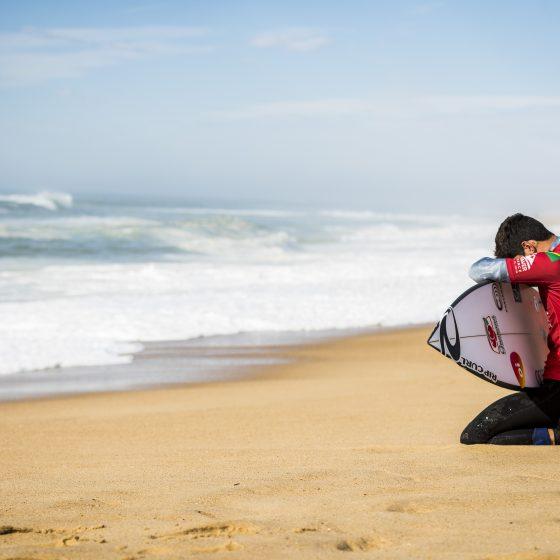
516,229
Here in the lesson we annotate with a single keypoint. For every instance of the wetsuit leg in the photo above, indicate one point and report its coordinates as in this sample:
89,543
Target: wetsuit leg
512,420
528,436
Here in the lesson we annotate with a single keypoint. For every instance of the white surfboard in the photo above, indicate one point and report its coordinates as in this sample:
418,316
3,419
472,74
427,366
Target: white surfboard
498,332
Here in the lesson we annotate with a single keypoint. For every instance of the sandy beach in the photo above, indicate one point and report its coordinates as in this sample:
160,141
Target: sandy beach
350,449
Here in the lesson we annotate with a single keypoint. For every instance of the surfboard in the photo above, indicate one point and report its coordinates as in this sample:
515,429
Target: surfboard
496,331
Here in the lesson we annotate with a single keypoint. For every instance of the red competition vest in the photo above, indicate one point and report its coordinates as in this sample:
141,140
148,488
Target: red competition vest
543,271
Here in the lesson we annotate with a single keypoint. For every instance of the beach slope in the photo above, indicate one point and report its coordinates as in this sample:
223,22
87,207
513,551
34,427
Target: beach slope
352,448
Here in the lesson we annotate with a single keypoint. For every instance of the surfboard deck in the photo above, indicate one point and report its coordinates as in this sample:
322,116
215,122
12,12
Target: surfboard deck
498,332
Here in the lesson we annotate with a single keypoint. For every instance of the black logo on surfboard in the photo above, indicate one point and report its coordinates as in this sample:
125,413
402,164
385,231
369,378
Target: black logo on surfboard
454,350
516,293
498,295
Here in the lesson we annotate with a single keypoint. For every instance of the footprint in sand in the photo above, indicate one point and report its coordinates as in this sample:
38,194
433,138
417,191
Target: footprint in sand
208,531
10,530
408,507
23,558
211,532
361,544
70,537
524,556
229,546
205,514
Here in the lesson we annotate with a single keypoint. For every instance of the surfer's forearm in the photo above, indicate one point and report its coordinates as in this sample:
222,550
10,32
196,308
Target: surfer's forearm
489,269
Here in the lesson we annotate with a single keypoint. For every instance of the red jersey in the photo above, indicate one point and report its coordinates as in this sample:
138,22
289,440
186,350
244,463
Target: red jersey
543,271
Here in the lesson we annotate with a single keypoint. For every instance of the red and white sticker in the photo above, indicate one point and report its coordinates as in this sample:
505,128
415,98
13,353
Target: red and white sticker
493,334
518,369
523,264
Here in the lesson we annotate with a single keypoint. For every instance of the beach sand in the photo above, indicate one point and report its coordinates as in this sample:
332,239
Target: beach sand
350,450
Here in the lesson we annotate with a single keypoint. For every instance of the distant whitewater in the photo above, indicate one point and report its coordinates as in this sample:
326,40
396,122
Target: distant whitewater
81,282
44,199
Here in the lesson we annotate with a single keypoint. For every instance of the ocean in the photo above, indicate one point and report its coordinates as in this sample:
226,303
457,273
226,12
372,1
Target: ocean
88,282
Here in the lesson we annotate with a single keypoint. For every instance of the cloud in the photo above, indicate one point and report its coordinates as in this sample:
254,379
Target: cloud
35,55
394,107
314,108
300,39
469,104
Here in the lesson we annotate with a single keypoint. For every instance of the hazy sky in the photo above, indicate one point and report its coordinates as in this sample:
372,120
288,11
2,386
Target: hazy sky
392,105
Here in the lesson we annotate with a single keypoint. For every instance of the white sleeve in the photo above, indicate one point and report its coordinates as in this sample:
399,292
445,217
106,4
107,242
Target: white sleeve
489,269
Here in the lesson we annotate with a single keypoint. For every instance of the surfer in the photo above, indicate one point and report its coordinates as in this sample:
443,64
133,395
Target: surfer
526,252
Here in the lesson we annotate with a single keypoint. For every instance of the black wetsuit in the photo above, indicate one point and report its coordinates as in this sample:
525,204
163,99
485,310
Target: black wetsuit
529,417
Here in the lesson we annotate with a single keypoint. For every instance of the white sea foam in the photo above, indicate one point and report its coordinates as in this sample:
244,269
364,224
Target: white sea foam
72,296
254,212
45,199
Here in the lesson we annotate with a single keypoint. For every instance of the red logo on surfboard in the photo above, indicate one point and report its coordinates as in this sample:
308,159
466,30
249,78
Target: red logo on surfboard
518,369
493,334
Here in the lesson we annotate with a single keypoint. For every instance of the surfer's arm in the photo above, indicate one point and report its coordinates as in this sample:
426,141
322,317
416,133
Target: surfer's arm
489,269
537,269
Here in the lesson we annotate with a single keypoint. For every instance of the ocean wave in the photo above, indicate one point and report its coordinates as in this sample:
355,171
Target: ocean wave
45,199
88,236
248,212
393,217
77,284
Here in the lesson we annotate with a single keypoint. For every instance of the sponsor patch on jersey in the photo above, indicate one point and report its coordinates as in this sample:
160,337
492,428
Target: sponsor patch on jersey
518,369
493,334
553,256
523,264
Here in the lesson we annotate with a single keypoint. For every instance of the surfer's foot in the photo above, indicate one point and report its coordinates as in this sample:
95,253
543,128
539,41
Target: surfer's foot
528,436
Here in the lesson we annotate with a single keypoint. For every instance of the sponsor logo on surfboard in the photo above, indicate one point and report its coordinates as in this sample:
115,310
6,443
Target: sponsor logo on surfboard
447,348
498,295
537,303
479,370
518,369
516,293
523,264
493,334
539,373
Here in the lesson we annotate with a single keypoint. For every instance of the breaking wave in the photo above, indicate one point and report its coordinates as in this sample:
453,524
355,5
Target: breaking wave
45,200
128,237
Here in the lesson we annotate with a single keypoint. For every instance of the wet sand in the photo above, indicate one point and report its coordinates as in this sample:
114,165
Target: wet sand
351,449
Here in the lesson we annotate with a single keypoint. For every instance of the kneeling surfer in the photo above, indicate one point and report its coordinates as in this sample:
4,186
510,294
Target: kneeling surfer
528,253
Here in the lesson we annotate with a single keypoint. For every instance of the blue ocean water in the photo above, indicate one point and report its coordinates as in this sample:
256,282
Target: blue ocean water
84,282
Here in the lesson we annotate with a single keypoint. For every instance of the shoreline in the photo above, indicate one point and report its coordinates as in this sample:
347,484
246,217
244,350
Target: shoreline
351,447
204,359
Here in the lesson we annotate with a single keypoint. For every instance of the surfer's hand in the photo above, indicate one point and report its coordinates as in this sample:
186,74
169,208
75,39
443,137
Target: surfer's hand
488,268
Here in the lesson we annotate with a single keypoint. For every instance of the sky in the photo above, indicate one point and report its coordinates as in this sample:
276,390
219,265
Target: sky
395,105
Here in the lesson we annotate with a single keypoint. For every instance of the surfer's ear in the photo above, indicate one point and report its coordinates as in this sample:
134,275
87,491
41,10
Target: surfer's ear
529,247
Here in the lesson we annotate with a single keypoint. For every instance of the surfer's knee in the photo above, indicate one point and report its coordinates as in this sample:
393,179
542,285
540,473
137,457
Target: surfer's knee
491,421
466,438
471,435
